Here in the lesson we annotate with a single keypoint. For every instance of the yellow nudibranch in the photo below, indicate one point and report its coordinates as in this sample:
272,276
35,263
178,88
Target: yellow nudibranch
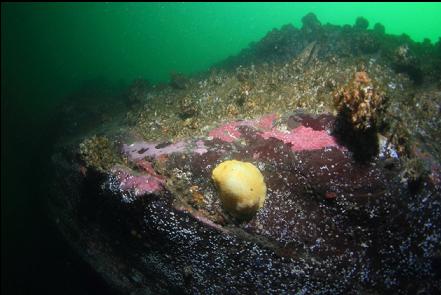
241,186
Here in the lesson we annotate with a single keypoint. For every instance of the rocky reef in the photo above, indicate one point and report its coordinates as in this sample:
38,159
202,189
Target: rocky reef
343,123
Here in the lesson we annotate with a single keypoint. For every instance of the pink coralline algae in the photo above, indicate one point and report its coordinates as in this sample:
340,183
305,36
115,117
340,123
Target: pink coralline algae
229,132
139,184
147,167
266,122
300,138
303,138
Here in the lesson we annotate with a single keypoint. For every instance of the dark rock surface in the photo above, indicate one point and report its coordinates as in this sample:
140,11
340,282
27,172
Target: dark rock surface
329,224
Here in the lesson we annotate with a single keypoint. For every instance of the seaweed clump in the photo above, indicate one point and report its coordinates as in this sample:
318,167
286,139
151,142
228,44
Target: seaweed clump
359,106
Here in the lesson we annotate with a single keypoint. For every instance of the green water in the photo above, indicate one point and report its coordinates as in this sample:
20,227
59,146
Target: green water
50,49
53,47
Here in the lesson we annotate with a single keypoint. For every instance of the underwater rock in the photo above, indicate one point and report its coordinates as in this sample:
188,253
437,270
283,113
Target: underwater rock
95,102
405,61
187,108
359,105
279,43
438,47
361,23
153,223
138,91
282,44
379,29
366,43
308,54
310,23
414,173
179,81
126,182
97,152
361,101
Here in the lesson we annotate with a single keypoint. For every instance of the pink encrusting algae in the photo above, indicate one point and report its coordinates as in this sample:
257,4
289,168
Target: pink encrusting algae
303,138
300,138
139,184
266,122
229,131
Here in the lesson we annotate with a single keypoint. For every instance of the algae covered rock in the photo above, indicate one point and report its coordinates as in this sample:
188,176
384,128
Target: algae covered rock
98,152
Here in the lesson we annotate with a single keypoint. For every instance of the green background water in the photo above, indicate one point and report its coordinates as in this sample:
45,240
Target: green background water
47,50
53,47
